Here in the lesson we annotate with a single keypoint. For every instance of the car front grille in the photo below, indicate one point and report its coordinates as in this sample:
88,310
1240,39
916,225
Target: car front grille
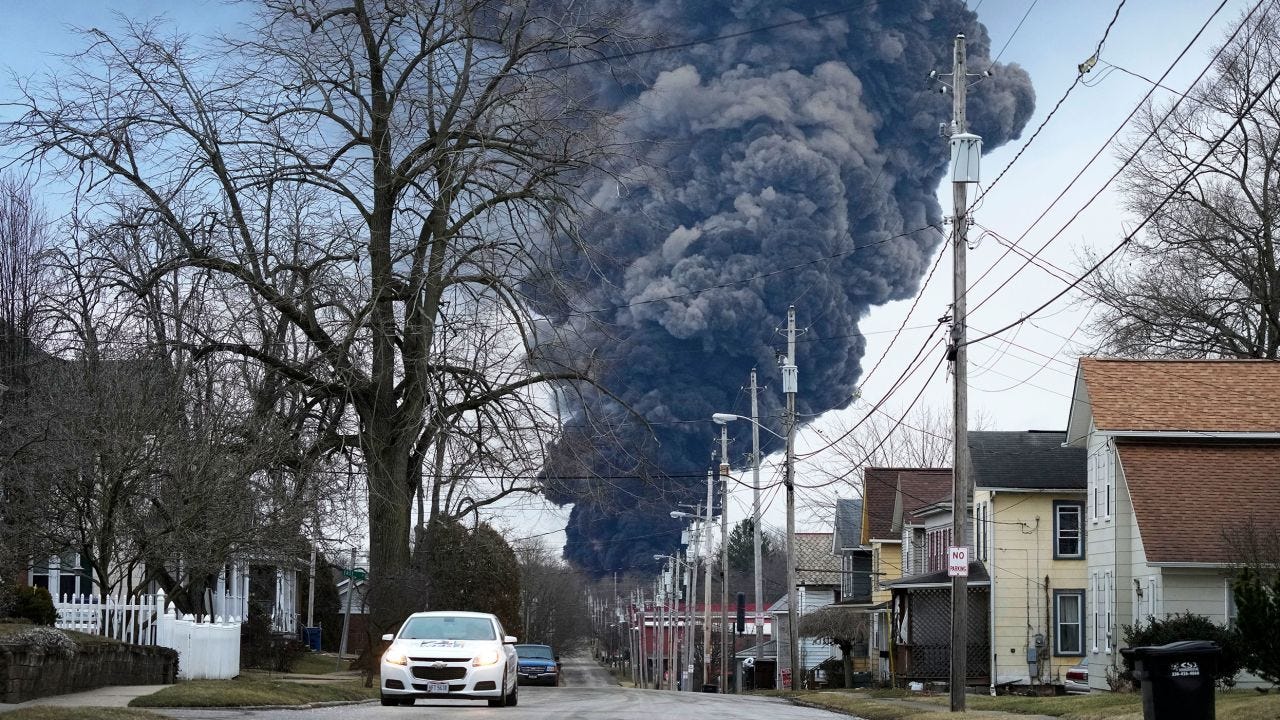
444,673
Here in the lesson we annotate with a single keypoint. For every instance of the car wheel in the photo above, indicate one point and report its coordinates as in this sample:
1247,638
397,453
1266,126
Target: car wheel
408,702
501,700
390,701
514,698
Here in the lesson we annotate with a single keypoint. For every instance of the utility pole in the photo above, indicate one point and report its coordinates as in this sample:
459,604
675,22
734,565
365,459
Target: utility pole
346,616
790,377
706,589
724,555
755,524
965,151
691,553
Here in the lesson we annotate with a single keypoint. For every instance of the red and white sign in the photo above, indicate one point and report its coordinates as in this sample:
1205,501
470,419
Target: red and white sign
958,561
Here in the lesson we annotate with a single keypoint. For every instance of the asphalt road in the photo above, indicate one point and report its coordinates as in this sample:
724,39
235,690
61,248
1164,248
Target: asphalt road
588,692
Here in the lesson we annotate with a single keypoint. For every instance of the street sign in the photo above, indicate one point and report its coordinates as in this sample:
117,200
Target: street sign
958,562
357,573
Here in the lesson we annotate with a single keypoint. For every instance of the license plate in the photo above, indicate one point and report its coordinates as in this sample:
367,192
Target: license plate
437,687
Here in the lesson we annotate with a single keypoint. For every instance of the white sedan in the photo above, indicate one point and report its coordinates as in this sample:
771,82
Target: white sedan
447,654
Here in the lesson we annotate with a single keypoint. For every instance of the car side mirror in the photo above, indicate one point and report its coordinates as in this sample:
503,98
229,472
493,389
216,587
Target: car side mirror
388,637
509,640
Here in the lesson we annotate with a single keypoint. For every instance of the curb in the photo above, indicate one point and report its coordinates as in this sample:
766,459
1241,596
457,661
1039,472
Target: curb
308,706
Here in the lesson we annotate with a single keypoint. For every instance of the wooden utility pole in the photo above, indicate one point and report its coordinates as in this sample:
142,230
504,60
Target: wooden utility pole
965,149
790,378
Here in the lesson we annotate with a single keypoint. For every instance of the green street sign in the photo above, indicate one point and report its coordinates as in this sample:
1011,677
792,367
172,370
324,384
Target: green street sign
357,573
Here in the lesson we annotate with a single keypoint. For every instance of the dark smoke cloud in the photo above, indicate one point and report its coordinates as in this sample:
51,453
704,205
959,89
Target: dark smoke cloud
758,153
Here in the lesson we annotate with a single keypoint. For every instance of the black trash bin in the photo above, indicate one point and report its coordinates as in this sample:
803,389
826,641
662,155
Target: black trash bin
1177,679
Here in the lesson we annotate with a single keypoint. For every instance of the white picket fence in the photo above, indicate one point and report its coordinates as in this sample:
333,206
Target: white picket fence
207,648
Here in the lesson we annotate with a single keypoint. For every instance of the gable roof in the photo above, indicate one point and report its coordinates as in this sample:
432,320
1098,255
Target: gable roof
1188,497
1179,395
815,564
918,491
880,497
1028,460
848,530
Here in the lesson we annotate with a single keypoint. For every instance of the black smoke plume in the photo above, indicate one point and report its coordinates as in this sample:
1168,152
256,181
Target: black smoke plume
797,165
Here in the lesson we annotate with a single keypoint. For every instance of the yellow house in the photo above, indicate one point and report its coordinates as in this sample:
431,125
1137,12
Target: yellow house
1029,494
883,490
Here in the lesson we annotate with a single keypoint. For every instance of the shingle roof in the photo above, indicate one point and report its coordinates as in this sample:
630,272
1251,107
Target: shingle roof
879,496
815,564
1032,460
1188,496
920,489
848,523
1184,395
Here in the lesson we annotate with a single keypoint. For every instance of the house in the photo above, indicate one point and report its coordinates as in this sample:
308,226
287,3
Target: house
817,585
920,610
880,503
855,558
1029,493
1183,458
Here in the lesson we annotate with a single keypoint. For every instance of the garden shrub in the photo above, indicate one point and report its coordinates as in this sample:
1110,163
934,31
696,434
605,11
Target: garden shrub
1186,626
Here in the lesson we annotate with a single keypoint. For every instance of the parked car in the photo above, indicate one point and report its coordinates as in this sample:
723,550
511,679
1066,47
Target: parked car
443,654
1076,679
538,664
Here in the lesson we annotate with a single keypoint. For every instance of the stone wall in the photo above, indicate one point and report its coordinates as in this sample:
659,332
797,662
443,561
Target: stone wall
31,673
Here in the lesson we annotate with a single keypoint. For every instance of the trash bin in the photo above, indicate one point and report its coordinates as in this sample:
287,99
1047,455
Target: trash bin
1177,679
311,636
710,688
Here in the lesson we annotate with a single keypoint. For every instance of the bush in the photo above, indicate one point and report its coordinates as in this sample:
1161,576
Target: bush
1186,626
262,649
46,639
33,604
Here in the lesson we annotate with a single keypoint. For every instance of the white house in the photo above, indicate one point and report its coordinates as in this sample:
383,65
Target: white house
1183,456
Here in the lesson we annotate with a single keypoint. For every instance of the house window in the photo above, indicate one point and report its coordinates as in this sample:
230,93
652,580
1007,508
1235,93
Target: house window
1068,614
1111,475
1232,611
1109,589
1093,586
61,575
981,533
939,541
1068,537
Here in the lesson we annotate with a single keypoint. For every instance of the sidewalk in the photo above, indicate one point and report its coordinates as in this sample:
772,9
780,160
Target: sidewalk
109,696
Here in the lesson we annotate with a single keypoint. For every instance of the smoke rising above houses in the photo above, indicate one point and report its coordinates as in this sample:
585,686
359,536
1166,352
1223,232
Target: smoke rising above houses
797,165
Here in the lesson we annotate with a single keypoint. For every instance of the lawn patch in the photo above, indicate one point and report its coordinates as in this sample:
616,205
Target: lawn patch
251,692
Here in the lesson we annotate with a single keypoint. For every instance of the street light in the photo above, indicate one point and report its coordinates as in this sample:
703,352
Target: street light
722,419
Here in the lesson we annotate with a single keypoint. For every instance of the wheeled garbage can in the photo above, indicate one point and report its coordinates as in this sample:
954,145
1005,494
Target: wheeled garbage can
1177,679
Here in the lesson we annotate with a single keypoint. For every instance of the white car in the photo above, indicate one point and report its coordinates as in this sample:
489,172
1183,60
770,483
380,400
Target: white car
446,654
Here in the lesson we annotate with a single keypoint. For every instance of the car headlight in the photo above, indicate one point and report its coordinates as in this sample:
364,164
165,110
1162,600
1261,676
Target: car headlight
488,657
395,657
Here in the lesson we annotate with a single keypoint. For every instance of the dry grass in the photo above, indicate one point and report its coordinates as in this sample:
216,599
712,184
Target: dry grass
8,629
896,705
43,712
244,692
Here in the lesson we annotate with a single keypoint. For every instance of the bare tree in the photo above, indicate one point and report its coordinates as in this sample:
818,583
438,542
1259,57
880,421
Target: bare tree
1203,280
841,626
553,596
423,150
23,282
920,439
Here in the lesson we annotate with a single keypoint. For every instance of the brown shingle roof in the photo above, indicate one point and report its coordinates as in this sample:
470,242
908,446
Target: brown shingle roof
1189,496
1184,395
879,494
815,563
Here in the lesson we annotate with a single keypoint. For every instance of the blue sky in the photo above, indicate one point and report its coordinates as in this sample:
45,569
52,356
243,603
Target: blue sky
1023,379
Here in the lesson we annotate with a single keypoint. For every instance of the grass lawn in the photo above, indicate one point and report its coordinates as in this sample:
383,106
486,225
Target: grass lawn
896,705
11,628
317,664
76,713
252,691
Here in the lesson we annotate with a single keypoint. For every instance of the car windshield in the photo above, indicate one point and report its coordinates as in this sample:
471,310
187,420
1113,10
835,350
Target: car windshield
439,627
534,651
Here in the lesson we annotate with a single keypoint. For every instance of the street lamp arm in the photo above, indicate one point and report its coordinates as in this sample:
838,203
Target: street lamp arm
724,418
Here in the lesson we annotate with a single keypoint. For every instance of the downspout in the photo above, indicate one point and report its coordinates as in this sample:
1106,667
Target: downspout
991,594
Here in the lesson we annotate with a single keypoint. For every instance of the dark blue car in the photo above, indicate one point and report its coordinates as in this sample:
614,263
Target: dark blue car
538,665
